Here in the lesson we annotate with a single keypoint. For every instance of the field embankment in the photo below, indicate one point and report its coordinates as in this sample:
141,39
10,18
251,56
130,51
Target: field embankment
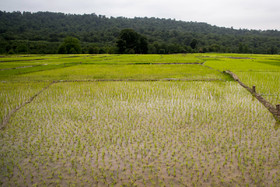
274,110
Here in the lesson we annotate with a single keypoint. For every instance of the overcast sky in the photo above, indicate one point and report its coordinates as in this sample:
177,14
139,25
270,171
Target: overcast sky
249,14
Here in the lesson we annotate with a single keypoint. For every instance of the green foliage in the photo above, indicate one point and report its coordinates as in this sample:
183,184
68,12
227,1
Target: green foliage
193,44
62,49
22,49
93,50
130,42
70,45
45,31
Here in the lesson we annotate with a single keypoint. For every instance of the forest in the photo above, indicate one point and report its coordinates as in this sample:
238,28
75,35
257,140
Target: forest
46,32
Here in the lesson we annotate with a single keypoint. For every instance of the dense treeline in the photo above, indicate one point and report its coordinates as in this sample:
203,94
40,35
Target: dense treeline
45,32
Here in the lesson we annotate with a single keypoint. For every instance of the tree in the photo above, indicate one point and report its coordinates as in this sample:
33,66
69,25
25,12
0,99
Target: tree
214,48
130,41
93,50
243,48
22,48
62,49
193,44
273,50
70,45
44,32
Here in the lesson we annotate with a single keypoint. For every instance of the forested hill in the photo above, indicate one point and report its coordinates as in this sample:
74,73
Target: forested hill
42,32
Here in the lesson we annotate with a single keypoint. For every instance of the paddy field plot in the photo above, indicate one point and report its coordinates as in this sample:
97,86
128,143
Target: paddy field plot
193,126
159,133
263,71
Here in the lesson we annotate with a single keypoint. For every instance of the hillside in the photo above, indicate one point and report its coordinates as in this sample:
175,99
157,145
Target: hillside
42,32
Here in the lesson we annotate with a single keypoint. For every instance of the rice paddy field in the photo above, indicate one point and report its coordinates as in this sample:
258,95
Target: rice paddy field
138,120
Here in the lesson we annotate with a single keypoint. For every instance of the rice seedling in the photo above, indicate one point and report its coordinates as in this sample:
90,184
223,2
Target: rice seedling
139,133
262,71
13,95
157,124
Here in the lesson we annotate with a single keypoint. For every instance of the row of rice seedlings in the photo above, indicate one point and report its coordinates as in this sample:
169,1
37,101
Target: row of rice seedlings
13,95
245,63
141,134
31,64
120,72
263,71
267,84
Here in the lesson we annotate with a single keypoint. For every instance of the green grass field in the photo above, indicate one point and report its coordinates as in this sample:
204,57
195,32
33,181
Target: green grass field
139,120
